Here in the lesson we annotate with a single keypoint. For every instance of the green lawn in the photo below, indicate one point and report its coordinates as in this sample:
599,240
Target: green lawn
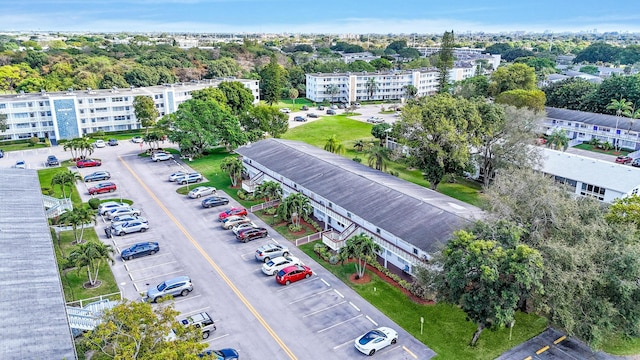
617,344
45,175
287,103
445,329
590,147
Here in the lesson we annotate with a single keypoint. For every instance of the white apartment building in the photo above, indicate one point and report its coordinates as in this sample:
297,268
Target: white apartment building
71,114
390,85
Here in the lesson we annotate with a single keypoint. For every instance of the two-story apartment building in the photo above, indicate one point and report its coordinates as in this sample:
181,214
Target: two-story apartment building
408,221
70,114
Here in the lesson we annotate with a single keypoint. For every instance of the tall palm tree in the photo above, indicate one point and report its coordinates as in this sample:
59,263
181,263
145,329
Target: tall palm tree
378,157
620,106
632,114
558,140
361,247
410,91
91,254
359,145
78,218
295,203
333,145
233,167
333,90
64,179
371,86
269,190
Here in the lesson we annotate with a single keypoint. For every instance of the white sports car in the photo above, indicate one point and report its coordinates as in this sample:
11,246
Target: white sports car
272,266
376,340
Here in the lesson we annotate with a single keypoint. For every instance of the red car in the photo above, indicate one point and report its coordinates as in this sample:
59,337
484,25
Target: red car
293,273
232,212
623,159
88,163
102,188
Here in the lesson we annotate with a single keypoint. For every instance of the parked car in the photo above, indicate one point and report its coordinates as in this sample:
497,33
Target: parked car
304,108
130,227
140,249
119,219
331,112
20,164
252,234
342,106
269,251
102,188
201,191
636,162
357,105
238,228
320,107
176,175
137,140
189,178
161,156
82,163
222,354
180,285
376,340
274,265
113,142
1,153
624,159
52,160
202,321
285,110
293,273
333,107
214,201
99,144
97,176
299,118
375,120
232,221
106,206
231,212
312,115
123,211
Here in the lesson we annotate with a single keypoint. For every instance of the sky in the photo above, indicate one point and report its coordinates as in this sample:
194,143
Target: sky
321,16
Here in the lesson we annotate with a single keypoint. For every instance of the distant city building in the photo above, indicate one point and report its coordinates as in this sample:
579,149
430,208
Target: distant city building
70,114
389,85
364,56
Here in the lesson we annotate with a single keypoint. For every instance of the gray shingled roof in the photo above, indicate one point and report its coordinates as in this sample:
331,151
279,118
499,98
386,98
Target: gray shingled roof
419,216
593,118
33,317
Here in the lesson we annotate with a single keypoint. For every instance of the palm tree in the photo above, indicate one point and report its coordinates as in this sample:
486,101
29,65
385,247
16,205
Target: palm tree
620,106
91,254
333,90
361,247
333,145
632,115
378,157
297,204
78,217
359,145
232,166
410,91
63,179
269,190
371,86
293,95
558,140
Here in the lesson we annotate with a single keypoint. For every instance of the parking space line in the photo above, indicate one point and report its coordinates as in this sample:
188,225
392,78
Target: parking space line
325,309
156,256
290,285
275,241
370,319
560,339
307,297
326,283
410,352
185,298
126,267
338,324
216,338
156,276
542,350
343,344
338,292
197,311
156,265
354,306
136,286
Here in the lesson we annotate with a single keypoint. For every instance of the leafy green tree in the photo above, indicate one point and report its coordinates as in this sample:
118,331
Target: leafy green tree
294,207
512,77
142,76
359,145
12,75
532,99
223,67
266,119
333,145
409,53
136,330
238,97
91,255
381,64
145,110
516,53
380,132
589,69
488,280
273,80
3,122
625,211
410,91
362,248
78,218
445,61
293,95
377,157
64,179
558,140
232,166
596,52
614,87
360,66
111,79
195,125
332,90
371,86
477,86
571,93
499,48
439,131
397,45
269,190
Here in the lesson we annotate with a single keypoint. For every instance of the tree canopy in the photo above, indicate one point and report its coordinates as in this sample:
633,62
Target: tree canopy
512,77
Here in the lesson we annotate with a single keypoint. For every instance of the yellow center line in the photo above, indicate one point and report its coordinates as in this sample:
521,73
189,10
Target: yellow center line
409,351
542,350
213,264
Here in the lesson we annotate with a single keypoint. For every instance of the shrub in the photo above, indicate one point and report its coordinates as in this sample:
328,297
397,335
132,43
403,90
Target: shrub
242,195
47,142
295,228
33,141
317,248
271,210
357,159
334,259
94,203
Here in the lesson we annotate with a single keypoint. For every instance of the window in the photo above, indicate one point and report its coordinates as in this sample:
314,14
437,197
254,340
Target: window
378,231
3,106
415,251
593,191
117,99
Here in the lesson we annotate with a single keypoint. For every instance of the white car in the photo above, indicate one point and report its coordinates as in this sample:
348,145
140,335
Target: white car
20,164
285,110
137,140
376,340
201,191
99,144
119,219
161,156
232,221
176,175
110,205
272,266
122,211
236,229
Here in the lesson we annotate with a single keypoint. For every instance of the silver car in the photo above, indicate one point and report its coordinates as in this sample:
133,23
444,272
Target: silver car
201,191
130,227
180,285
126,218
270,251
236,229
122,211
110,205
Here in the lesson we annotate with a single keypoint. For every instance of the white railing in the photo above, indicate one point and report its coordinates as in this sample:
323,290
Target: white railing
264,205
55,207
309,238
333,240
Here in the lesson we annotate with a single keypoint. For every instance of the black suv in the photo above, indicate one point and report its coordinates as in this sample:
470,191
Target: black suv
52,160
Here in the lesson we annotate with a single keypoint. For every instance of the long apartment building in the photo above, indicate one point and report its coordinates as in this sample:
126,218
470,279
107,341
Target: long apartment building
389,85
71,114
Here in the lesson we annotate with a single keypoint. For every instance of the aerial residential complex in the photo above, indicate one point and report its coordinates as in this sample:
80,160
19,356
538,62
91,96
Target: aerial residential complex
70,114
